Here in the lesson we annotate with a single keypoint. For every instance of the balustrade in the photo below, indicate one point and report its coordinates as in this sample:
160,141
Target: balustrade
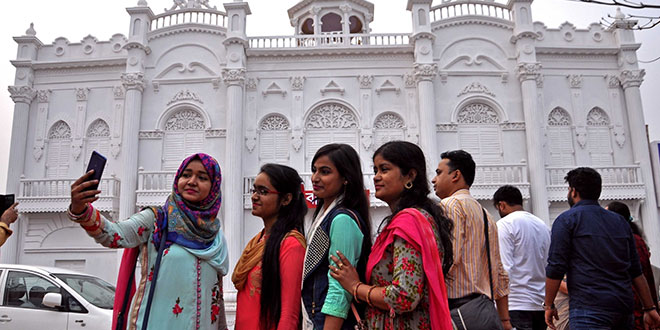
189,16
329,40
50,195
460,8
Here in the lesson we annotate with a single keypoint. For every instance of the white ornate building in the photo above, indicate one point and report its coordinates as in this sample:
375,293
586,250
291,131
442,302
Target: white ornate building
527,101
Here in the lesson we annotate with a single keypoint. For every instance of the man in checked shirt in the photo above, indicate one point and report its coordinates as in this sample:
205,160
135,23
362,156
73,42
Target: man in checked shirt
468,277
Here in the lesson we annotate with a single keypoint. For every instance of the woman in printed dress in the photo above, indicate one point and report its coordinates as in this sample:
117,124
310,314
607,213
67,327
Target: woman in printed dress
277,251
405,286
188,290
341,222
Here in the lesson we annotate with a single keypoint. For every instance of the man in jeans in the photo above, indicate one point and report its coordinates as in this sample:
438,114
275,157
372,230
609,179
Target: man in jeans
524,241
596,249
468,276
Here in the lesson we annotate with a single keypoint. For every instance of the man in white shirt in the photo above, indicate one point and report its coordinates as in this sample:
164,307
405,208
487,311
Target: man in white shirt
524,242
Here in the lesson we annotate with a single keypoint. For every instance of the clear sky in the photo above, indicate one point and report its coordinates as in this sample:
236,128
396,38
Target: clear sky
75,19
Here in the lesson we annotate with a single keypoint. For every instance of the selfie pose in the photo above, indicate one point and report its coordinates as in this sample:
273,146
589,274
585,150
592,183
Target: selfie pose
405,284
273,301
341,222
181,282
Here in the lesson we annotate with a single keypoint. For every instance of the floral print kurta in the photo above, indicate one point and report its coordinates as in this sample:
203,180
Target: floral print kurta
401,272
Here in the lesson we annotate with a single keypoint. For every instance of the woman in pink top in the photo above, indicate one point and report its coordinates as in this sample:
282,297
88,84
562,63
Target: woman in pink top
278,251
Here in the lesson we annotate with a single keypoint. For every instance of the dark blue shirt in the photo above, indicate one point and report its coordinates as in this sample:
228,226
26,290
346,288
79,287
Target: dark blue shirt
596,249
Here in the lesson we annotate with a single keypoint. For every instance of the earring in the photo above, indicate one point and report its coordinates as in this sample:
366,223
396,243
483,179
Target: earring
408,185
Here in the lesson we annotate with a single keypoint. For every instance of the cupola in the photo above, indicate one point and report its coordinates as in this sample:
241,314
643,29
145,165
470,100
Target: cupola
331,16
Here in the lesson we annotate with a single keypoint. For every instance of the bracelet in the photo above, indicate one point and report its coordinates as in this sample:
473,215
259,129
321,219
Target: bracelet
648,309
547,308
355,290
77,217
94,226
369,296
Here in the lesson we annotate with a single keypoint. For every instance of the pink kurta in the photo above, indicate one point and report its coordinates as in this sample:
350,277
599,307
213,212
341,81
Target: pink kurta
248,307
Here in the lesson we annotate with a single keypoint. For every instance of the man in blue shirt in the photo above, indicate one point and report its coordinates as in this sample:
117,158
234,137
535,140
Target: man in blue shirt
596,249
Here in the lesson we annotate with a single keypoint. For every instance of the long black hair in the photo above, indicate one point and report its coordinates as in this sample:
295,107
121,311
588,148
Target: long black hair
623,210
347,162
407,156
290,217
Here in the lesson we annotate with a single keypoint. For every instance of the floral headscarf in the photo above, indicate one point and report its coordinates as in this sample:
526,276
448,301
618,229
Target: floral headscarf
191,225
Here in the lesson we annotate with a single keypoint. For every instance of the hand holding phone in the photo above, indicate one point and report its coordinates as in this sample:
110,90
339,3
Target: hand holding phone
83,191
96,163
6,201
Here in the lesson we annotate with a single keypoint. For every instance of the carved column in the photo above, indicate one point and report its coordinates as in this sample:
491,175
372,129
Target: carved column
527,74
297,116
79,129
613,84
575,84
43,97
117,120
630,81
412,122
251,116
366,132
134,84
424,74
22,97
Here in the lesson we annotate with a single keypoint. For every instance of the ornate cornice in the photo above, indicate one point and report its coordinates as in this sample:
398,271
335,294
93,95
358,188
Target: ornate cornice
524,35
136,45
632,78
178,29
365,81
233,77
236,41
43,95
528,71
425,71
133,80
22,94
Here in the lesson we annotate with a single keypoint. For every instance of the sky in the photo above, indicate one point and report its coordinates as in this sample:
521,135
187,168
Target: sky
75,19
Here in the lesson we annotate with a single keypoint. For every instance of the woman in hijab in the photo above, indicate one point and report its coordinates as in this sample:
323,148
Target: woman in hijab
191,257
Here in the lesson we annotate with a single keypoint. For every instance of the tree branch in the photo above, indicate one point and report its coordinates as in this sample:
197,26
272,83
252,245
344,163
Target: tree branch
622,3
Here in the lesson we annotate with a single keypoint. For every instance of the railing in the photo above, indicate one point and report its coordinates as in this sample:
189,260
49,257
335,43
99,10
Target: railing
488,178
189,16
153,187
619,182
329,40
460,8
49,195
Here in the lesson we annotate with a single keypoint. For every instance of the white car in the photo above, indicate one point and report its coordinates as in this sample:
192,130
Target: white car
44,298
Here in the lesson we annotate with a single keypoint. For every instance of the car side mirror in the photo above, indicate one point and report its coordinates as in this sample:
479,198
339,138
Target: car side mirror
52,300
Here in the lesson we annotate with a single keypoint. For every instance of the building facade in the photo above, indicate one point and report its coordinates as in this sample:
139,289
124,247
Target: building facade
528,102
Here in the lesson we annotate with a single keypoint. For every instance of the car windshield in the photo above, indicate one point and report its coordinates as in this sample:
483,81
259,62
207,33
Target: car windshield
95,290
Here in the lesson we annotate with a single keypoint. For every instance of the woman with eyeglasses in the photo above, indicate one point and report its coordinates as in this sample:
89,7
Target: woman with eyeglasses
340,222
269,273
405,285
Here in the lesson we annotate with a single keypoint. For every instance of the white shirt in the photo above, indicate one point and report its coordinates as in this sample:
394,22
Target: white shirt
524,242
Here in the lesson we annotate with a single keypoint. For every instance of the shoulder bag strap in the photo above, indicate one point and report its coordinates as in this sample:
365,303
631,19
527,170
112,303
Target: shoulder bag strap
152,288
490,272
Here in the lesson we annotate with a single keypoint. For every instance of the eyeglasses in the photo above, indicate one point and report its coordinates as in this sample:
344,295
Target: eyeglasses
261,191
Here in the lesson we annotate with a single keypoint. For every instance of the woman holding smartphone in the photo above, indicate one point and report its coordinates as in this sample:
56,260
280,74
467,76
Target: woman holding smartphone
277,251
182,241
405,287
340,222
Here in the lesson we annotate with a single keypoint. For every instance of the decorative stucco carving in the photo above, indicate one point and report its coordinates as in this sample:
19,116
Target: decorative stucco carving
22,94
297,83
559,117
99,128
512,126
332,87
367,138
409,80
251,84
612,81
59,131
539,81
274,122
575,80
389,121
446,127
274,88
365,81
250,140
81,94
189,4
151,135
581,136
215,133
476,88
297,139
133,80
477,113
118,92
185,120
388,86
632,78
233,77
331,115
528,71
598,117
43,95
185,95
425,71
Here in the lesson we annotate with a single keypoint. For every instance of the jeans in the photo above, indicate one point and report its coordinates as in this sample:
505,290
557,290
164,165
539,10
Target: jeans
591,319
528,320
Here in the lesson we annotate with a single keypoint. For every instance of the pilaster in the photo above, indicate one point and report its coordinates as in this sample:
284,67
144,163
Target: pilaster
297,114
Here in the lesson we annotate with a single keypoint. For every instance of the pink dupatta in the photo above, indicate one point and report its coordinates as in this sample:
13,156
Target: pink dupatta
414,228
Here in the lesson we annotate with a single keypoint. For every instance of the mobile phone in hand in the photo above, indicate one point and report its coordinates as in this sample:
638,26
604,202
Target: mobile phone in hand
6,201
96,163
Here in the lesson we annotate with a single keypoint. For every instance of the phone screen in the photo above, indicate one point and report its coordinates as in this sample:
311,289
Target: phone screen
96,163
6,201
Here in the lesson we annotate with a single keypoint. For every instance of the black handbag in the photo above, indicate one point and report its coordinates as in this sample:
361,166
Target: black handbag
477,311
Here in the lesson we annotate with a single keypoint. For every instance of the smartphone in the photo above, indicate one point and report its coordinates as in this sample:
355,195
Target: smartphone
6,201
96,163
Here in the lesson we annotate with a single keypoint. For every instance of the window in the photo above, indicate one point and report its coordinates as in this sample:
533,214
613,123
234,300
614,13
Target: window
274,139
331,22
330,123
599,141
307,26
184,135
59,148
98,138
479,133
388,127
355,25
560,139
27,290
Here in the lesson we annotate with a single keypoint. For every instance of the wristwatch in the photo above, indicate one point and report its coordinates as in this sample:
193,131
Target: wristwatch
546,307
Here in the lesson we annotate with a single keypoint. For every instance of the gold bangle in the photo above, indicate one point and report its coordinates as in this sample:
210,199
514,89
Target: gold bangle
355,290
369,296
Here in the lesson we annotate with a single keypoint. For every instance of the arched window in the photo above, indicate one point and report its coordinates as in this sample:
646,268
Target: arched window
599,140
274,139
59,149
330,123
388,127
560,138
307,26
184,135
355,25
331,22
479,133
98,138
